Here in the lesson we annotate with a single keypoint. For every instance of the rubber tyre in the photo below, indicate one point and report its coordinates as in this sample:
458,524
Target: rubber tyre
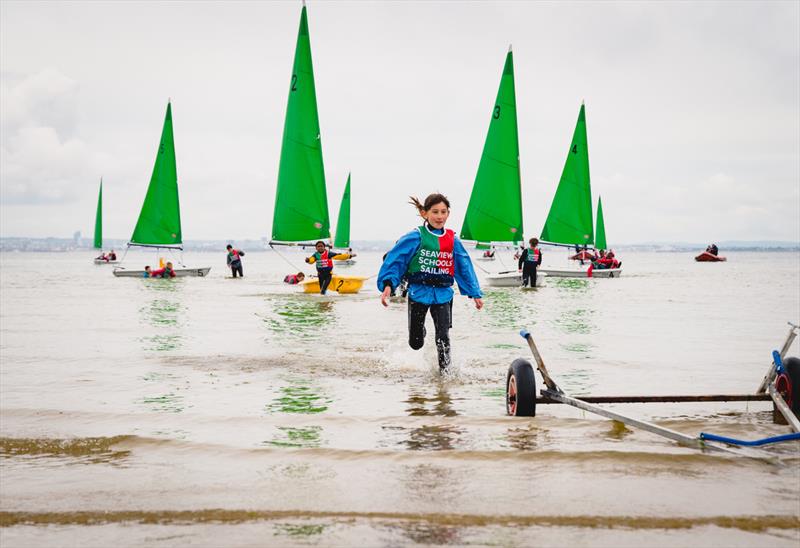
792,366
521,371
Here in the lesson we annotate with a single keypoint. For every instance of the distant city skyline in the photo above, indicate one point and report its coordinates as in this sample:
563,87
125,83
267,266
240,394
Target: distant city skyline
693,111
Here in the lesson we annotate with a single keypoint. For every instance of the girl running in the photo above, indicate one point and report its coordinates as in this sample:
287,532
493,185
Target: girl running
432,258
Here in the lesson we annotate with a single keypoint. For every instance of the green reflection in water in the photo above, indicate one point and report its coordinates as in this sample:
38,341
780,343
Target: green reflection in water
505,310
168,403
297,437
162,343
299,397
295,530
494,393
164,314
580,285
298,316
578,348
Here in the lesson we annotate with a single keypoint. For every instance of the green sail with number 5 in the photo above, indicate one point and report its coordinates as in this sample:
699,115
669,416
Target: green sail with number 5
98,221
159,221
570,217
494,213
342,239
301,201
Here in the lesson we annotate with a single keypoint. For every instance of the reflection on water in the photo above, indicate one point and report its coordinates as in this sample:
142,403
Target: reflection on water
428,532
523,439
298,530
429,437
297,437
165,313
81,450
298,316
300,396
166,403
440,402
505,308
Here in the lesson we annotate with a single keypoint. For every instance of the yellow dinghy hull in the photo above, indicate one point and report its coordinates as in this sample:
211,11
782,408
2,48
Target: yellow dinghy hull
342,284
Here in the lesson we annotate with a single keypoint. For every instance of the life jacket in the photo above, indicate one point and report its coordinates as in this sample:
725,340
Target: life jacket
433,263
324,259
234,256
533,255
291,279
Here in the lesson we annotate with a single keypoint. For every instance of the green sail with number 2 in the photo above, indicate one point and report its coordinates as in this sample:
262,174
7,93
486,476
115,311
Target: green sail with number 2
98,220
342,239
159,221
301,201
570,217
600,233
494,213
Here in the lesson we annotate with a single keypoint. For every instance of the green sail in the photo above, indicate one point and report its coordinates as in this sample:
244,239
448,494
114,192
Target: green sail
600,234
494,213
301,201
159,222
98,221
342,239
570,217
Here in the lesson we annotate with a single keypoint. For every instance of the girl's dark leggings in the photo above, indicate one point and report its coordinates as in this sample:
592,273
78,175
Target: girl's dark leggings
442,315
528,275
324,280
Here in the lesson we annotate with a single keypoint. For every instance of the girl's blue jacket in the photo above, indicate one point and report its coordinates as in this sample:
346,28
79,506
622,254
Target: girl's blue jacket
396,264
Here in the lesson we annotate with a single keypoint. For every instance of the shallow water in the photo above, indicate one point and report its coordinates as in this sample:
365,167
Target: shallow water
211,410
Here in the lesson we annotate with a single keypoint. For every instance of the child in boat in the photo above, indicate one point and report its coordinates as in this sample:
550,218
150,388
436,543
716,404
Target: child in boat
112,256
147,272
432,258
529,262
234,259
293,279
166,272
323,258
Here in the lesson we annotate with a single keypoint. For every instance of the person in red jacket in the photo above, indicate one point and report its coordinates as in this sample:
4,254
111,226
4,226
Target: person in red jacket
166,272
294,279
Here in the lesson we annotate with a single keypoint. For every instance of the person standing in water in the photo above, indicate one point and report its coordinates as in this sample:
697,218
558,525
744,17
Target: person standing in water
323,258
529,262
234,259
432,258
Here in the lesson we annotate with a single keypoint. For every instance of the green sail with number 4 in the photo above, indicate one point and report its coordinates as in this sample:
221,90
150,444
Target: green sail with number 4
494,213
159,221
600,234
98,221
570,217
342,239
301,201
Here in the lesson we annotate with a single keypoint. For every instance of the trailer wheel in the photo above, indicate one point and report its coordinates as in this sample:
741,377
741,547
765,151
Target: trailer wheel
792,366
521,389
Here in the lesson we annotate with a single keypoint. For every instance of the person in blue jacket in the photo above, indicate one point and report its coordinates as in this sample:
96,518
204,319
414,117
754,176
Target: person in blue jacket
432,258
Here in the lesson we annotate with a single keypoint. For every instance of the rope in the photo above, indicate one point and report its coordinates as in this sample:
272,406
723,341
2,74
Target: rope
294,267
754,443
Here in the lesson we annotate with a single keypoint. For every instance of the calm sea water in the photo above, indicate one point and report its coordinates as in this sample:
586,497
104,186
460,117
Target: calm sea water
212,411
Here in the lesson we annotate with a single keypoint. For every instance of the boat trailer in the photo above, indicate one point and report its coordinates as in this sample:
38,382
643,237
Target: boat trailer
781,384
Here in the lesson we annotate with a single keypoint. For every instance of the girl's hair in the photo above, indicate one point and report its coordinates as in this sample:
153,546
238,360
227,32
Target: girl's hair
430,201
319,242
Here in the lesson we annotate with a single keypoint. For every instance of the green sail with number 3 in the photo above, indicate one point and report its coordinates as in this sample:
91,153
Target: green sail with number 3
159,221
494,213
301,200
570,217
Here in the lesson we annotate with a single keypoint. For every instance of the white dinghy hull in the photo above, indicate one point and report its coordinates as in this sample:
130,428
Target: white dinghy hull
512,279
101,261
179,272
572,273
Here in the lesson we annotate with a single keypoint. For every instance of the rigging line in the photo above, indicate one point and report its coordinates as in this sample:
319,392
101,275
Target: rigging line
294,267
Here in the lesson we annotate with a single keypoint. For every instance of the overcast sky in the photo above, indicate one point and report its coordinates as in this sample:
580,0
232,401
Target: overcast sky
693,110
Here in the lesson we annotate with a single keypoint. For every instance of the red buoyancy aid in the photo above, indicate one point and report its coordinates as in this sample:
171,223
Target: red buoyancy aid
324,259
291,279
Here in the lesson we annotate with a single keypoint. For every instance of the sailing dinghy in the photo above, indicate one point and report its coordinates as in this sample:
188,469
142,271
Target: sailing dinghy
569,222
494,213
98,230
301,201
159,224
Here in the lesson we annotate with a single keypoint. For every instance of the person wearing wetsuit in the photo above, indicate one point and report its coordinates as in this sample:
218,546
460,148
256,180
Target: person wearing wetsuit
234,259
432,258
323,258
529,262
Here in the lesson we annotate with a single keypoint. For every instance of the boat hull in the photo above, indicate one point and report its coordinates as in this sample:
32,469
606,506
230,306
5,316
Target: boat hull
346,262
484,258
341,284
179,273
101,261
706,257
570,273
512,279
